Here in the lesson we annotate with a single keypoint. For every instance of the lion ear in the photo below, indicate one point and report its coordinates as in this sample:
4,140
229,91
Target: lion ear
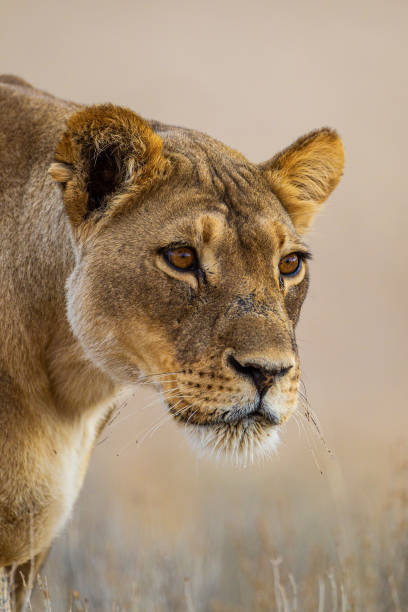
105,159
303,175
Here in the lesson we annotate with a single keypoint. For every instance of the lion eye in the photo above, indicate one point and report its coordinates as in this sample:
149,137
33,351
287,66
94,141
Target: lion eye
182,258
290,264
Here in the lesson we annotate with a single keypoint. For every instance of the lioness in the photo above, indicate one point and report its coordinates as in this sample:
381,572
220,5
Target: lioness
133,250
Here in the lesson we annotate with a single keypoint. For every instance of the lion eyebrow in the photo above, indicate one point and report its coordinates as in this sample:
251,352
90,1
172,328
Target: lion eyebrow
286,242
291,244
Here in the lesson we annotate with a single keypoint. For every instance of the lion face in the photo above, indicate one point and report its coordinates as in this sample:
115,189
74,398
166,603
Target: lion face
190,271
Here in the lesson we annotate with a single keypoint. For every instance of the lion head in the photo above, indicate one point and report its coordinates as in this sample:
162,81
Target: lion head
191,268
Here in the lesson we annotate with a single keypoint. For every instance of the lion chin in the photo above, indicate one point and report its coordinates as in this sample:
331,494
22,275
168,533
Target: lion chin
241,443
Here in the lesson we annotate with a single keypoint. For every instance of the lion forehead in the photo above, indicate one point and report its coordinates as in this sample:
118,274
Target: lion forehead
205,163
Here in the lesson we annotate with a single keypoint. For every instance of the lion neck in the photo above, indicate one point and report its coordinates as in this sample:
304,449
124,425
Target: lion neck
38,257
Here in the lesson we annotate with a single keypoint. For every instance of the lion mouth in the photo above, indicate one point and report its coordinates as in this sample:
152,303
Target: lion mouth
235,420
236,415
240,434
258,414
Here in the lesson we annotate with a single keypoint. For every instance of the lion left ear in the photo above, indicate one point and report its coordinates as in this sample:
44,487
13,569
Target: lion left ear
303,175
106,158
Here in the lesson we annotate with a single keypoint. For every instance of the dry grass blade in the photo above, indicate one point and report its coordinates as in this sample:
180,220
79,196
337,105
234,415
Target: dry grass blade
188,595
28,587
321,595
344,602
284,598
294,590
43,587
277,585
394,593
5,604
333,587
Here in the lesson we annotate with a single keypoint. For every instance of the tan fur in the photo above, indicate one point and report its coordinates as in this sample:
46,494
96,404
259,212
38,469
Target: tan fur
90,197
136,146
304,174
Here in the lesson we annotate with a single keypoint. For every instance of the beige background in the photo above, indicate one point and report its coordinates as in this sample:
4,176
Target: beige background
257,75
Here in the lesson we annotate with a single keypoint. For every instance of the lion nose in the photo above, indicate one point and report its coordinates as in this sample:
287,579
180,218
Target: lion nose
263,377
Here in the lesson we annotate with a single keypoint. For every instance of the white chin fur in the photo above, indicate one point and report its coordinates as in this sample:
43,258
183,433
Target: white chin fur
240,444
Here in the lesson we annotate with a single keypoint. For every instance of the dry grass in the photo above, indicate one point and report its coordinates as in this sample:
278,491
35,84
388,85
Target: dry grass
158,530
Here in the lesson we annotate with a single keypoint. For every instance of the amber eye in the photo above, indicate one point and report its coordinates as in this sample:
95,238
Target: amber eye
290,264
182,258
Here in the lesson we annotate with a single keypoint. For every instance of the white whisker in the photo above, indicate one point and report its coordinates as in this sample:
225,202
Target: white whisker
157,400
152,429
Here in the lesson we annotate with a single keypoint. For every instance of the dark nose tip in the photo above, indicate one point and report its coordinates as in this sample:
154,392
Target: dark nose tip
262,377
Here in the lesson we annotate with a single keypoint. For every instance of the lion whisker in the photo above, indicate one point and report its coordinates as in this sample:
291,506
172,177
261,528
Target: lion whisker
148,376
159,382
153,428
310,416
295,418
163,420
114,422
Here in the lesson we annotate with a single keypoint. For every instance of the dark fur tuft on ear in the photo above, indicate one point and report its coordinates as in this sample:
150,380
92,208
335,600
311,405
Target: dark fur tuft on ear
105,176
106,158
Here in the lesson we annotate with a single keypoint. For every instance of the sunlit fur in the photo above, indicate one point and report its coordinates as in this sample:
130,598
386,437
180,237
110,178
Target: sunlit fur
90,199
304,174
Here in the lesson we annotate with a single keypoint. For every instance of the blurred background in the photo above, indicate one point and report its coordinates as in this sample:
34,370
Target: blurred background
324,525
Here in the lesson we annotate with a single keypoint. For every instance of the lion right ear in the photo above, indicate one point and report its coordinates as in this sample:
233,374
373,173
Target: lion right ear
105,159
